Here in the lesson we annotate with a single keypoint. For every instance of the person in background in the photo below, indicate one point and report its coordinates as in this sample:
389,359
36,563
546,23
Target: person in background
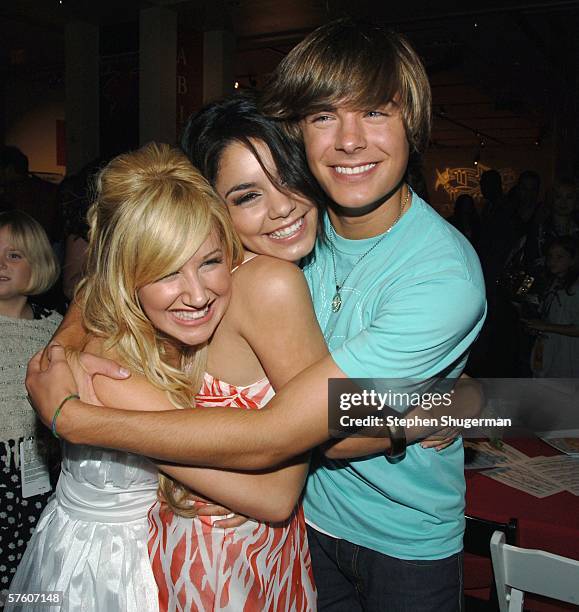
491,187
19,190
28,267
556,350
558,222
525,197
74,198
497,234
549,222
496,351
466,218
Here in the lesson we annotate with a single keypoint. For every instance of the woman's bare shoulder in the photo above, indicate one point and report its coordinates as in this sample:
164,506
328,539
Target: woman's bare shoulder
269,277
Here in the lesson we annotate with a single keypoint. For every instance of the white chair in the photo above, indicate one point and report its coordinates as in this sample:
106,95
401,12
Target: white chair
519,570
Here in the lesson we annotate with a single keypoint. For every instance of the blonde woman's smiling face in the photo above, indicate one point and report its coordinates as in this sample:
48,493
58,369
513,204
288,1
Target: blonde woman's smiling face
189,304
269,221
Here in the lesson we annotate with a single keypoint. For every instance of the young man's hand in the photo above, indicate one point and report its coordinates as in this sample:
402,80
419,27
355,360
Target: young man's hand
84,366
48,386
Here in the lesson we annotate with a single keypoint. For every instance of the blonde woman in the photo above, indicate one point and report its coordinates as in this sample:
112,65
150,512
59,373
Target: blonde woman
155,220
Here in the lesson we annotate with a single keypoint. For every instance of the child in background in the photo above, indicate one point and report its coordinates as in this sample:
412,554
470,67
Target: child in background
28,267
556,350
558,223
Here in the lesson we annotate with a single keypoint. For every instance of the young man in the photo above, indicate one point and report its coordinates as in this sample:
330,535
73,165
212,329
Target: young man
398,294
389,285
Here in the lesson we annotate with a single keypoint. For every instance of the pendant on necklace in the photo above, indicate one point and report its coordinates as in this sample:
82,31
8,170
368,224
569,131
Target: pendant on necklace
336,302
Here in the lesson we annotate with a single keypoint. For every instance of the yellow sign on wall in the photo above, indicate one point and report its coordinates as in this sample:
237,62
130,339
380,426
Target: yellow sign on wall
458,181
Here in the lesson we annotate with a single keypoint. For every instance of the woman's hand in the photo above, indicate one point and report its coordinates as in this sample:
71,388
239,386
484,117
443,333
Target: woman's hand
445,437
231,519
441,440
207,508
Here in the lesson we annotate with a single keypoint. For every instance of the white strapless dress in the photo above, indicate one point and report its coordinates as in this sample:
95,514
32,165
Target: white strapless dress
91,540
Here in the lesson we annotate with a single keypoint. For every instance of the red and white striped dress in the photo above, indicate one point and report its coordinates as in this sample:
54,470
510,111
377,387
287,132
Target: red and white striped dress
252,568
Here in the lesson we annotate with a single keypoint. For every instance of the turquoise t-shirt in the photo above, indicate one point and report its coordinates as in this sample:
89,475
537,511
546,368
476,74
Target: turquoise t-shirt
411,309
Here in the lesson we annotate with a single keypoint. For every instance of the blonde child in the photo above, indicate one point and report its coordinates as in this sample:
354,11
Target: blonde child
28,267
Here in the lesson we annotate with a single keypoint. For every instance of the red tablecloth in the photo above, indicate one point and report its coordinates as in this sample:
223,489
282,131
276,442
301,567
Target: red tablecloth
550,524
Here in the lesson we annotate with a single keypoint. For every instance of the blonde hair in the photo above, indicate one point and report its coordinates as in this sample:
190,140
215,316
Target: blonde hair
29,237
152,212
354,64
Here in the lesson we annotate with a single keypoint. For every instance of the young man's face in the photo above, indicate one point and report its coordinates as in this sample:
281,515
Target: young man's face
356,156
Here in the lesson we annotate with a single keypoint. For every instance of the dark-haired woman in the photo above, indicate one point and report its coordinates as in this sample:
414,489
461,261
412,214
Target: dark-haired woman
268,335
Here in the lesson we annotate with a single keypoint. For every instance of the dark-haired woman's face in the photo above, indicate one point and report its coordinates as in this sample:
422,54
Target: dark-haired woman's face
268,221
559,260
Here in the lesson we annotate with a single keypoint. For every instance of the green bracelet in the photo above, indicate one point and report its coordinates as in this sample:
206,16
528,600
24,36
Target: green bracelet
69,397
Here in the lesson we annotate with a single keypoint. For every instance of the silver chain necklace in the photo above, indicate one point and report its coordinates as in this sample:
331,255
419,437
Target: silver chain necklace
337,299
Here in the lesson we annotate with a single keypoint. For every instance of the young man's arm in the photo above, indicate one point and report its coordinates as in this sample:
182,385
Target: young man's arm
72,334
293,422
415,335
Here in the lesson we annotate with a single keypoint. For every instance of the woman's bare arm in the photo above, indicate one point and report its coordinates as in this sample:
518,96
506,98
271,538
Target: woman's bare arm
267,496
295,421
267,291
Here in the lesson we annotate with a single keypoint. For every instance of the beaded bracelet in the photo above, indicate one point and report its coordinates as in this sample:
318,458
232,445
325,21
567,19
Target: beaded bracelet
68,397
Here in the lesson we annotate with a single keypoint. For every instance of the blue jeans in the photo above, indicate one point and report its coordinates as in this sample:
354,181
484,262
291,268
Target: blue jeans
351,578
